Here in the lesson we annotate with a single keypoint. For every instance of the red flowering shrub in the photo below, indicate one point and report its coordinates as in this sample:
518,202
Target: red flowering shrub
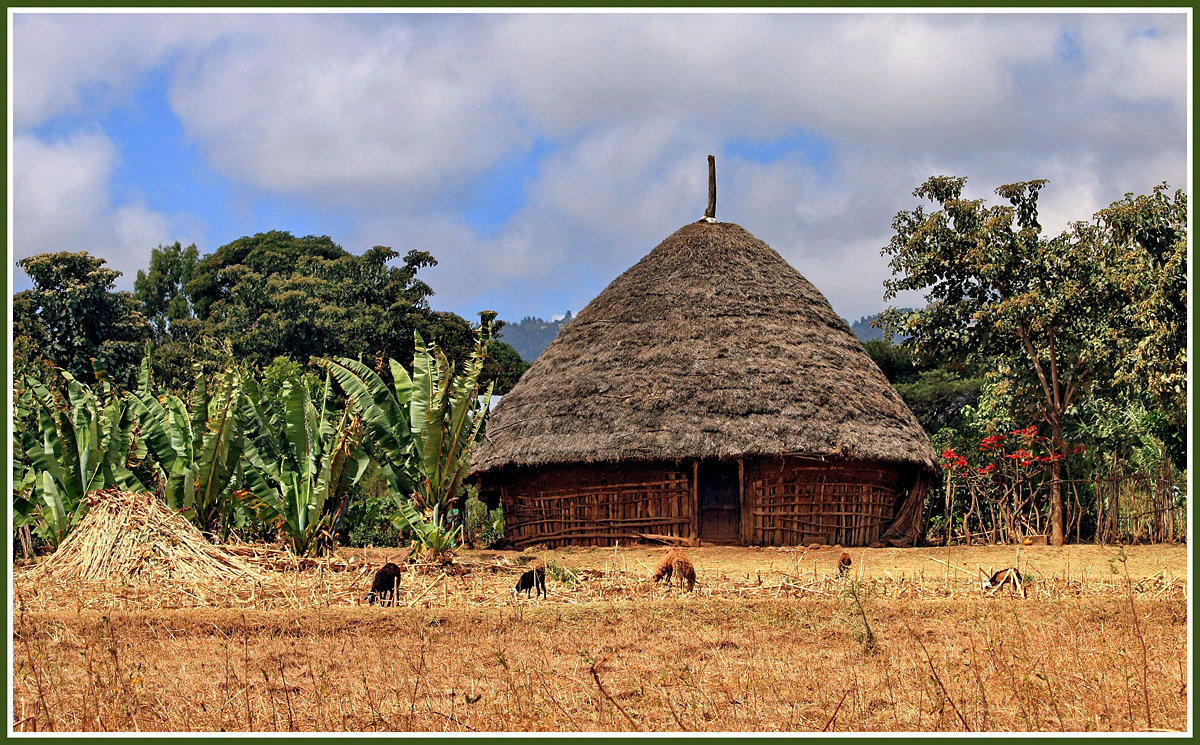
991,442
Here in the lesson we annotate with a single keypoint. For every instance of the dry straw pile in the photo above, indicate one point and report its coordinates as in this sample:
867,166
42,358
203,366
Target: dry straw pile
133,538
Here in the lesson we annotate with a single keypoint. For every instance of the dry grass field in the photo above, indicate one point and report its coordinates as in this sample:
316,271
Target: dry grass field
770,641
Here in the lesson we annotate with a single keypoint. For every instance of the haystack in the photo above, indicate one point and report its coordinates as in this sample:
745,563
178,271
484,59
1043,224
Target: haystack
709,392
132,537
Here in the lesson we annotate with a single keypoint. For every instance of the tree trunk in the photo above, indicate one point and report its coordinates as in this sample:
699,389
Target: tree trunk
1056,500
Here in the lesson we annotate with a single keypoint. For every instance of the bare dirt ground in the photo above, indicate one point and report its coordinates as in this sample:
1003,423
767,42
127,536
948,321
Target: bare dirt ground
770,640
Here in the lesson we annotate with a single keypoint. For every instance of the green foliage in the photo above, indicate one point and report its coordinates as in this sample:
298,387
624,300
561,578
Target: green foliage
1149,233
299,464
429,533
446,415
195,449
895,361
368,520
75,320
561,574
275,295
159,288
481,527
938,397
421,428
1002,301
79,442
503,366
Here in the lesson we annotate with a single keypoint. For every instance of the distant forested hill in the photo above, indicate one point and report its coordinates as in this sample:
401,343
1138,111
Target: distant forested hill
532,335
863,329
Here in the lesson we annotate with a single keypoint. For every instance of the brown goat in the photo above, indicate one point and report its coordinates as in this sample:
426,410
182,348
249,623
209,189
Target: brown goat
675,563
843,565
1010,576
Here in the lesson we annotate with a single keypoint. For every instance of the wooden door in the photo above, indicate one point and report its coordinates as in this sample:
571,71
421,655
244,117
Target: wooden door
718,503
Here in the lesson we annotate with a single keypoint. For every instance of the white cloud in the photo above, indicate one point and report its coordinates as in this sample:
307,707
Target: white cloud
62,202
67,63
756,75
347,110
1136,58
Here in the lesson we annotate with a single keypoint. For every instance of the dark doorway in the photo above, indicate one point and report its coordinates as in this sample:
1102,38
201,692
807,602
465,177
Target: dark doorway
719,505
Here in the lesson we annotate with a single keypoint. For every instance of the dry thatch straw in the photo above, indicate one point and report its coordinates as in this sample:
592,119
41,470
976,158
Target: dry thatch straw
712,346
134,538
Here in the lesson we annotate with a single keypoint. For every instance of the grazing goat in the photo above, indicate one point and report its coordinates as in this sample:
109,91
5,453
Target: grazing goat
1009,576
676,563
843,565
532,581
383,587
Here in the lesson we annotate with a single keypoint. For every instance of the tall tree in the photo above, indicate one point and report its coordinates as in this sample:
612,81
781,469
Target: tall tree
73,316
1149,233
274,295
159,288
1035,314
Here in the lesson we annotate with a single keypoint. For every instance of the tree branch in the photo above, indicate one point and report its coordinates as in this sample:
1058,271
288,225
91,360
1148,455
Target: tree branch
1023,334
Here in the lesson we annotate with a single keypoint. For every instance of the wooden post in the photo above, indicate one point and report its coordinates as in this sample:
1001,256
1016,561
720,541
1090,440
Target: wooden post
711,212
744,517
696,501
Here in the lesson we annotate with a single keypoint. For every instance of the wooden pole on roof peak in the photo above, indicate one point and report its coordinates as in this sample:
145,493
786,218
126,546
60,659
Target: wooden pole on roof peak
710,214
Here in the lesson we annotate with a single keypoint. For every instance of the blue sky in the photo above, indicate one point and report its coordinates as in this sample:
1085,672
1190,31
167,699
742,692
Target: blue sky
539,155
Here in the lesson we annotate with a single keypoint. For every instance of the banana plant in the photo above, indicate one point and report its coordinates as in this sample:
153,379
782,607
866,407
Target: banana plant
447,416
428,533
299,465
195,450
24,475
423,427
83,442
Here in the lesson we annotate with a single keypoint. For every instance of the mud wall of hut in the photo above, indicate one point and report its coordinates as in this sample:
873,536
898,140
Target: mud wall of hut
789,501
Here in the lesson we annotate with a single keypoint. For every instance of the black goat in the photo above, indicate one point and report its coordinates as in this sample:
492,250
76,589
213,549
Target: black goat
383,588
534,579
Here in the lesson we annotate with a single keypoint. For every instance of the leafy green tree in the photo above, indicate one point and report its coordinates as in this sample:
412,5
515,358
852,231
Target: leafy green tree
1004,301
233,273
895,361
1149,233
504,367
274,295
938,397
159,288
75,320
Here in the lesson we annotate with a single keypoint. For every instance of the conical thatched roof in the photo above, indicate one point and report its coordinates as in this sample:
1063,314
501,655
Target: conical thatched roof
131,537
712,346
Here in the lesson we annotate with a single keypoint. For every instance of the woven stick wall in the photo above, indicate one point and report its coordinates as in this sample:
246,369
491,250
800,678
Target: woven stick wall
598,504
793,501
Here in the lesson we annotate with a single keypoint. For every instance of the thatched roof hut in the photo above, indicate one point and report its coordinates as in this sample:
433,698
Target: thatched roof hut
709,392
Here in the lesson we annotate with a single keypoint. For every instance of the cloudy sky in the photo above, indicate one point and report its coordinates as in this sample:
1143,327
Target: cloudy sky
538,156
